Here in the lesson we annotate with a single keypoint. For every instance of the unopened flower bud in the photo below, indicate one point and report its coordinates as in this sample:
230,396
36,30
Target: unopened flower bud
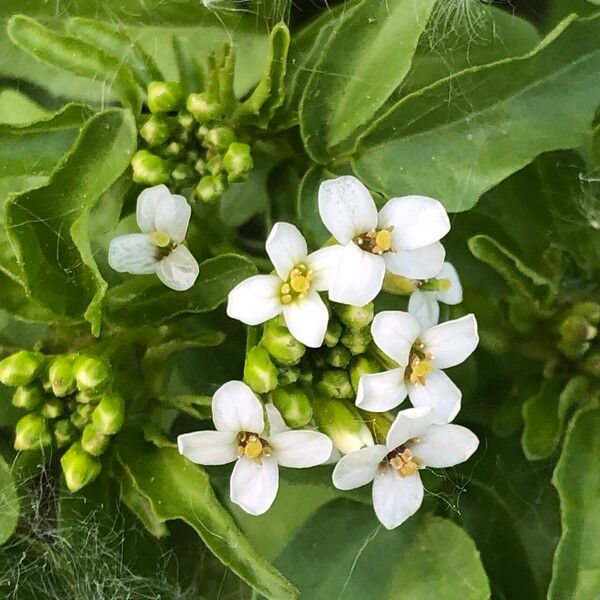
164,96
182,174
210,188
64,432
354,317
398,285
79,467
294,405
28,397
259,371
576,328
185,120
149,169
238,161
61,376
52,408
573,350
591,364
93,441
336,384
287,375
333,333
338,356
306,377
21,368
109,416
92,374
204,107
220,138
215,164
155,130
31,432
200,166
357,341
173,149
342,423
281,344
82,415
362,366
589,310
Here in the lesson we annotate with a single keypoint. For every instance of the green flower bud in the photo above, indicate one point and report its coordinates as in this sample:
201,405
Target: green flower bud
286,375
52,408
357,341
221,137
182,173
573,350
591,364
238,162
93,441
204,107
576,328
398,285
21,368
215,164
306,377
362,366
293,404
61,376
149,169
79,467
333,333
338,356
82,415
155,130
354,317
185,120
86,397
342,423
589,310
202,132
336,384
93,374
200,166
259,371
28,397
109,415
173,149
32,432
164,96
64,432
210,188
281,344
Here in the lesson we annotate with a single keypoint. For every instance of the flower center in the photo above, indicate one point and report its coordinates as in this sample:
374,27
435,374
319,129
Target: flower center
252,446
419,364
161,239
435,285
376,241
403,461
297,284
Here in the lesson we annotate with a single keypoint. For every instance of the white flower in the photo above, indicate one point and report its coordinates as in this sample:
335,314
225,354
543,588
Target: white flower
420,355
294,289
403,238
238,416
412,443
163,219
423,303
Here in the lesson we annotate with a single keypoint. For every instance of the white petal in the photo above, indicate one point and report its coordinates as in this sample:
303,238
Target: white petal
286,248
439,393
300,449
173,216
253,486
381,391
276,422
134,253
324,263
346,208
255,300
358,468
409,423
396,498
425,307
417,220
235,408
146,206
307,319
208,447
454,294
395,332
421,263
358,278
452,342
179,270
445,445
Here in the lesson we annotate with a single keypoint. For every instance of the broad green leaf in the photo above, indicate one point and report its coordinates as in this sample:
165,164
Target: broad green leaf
16,108
576,568
178,489
146,300
81,58
9,502
343,552
366,59
47,226
499,118
308,207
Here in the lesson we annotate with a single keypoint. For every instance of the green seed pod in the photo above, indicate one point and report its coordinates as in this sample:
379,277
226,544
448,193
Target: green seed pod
210,188
589,310
354,317
93,441
215,164
52,408
182,174
79,467
342,423
338,356
591,364
93,374
109,415
220,138
64,432
287,375
149,169
204,107
294,405
333,333
164,96
362,366
155,131
28,397
357,341
61,376
185,120
259,371
21,368
31,432
576,328
336,384
82,415
281,344
238,162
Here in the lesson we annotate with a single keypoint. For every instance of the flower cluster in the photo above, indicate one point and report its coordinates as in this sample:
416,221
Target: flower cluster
331,370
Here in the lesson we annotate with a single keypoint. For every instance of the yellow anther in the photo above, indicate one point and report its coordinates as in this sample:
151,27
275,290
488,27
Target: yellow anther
299,283
161,239
444,285
285,288
286,299
383,240
421,368
253,448
409,468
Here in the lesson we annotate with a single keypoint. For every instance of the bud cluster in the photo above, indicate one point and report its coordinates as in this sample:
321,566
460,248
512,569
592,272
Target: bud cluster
70,403
578,331
189,143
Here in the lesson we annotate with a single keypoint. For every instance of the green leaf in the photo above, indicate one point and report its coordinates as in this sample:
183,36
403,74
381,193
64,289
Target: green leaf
146,299
16,108
343,552
366,59
9,502
576,568
178,489
308,207
76,56
47,226
500,117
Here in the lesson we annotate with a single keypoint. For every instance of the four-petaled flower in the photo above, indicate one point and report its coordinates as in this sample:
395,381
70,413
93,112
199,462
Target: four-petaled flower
413,442
403,238
163,219
420,355
238,416
293,290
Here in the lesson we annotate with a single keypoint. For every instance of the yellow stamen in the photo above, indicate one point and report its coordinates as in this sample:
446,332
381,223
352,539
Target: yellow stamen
253,448
383,240
161,239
